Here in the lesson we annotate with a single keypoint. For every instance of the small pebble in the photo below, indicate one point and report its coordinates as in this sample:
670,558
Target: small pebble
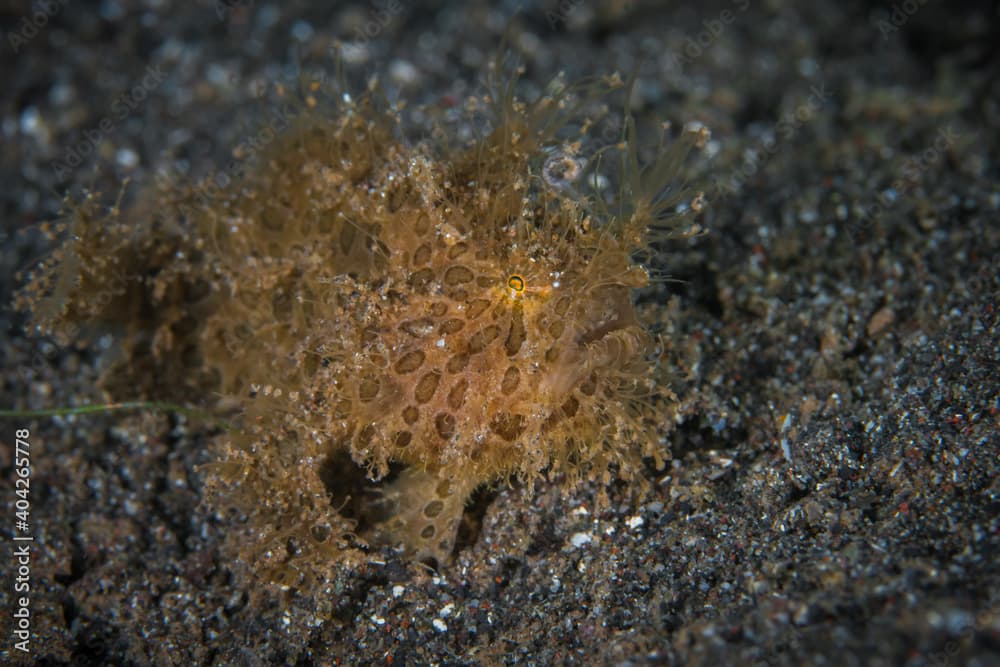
404,74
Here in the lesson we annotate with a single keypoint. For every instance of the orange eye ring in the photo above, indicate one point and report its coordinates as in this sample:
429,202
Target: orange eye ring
516,284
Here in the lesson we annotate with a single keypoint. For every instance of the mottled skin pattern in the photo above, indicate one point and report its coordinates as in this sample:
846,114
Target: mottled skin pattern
448,311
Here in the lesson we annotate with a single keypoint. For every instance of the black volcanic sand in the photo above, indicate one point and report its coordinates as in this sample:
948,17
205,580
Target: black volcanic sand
833,496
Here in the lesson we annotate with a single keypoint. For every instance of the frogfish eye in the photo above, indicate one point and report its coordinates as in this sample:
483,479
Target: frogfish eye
516,285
